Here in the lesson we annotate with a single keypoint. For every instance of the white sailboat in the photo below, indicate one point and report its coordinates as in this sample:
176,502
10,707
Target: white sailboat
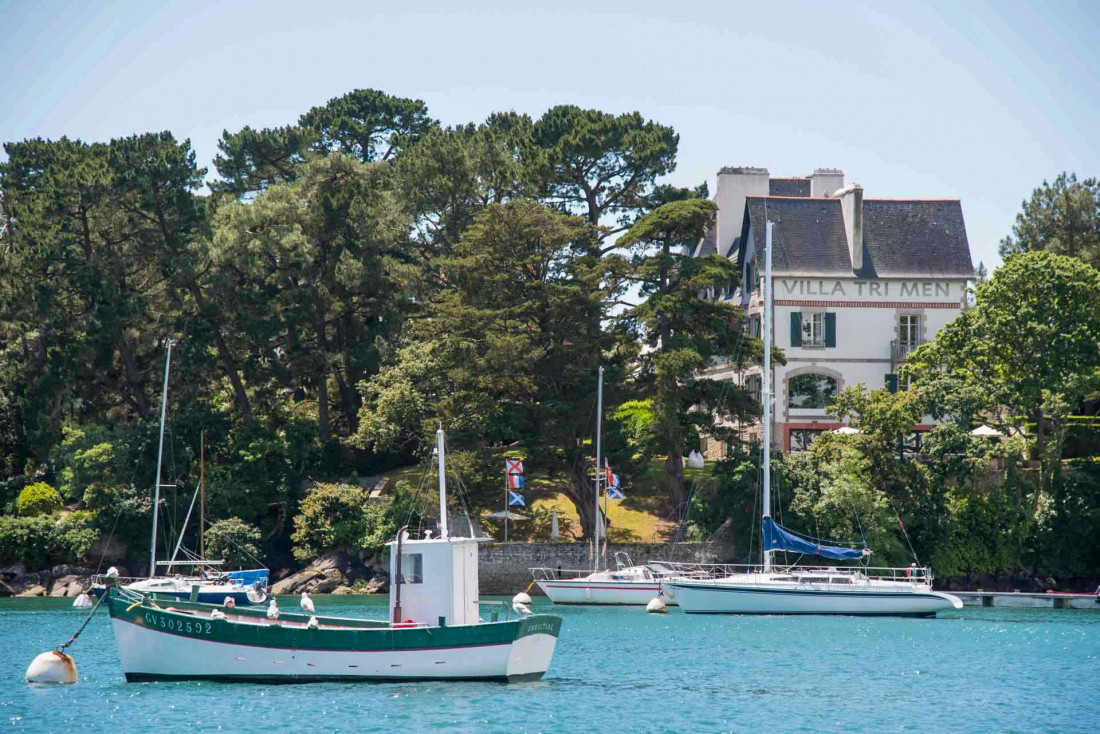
825,590
209,584
434,631
626,584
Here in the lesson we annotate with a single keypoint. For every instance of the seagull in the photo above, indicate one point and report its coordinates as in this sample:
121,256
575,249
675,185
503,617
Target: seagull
217,614
307,603
229,602
313,624
521,608
273,610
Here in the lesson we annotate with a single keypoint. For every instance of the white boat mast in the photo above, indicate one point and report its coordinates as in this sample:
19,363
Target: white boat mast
442,484
766,396
599,436
160,455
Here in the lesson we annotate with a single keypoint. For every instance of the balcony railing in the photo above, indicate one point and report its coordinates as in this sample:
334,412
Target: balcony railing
900,350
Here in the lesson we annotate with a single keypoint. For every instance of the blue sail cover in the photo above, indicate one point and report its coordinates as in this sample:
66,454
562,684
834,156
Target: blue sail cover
777,538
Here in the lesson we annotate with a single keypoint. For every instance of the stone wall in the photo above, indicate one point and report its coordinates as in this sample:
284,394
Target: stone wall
503,567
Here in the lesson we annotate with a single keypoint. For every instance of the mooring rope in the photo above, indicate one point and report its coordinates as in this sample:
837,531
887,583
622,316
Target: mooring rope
84,624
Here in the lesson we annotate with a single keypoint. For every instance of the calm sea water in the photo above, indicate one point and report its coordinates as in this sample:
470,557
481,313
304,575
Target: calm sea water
976,670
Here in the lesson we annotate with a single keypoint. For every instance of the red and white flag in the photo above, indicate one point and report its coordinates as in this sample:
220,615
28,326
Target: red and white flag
513,466
609,475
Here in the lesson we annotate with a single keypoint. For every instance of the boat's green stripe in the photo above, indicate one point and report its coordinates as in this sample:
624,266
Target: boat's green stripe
299,638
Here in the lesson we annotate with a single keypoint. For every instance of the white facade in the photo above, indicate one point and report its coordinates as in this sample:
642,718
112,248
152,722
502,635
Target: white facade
838,321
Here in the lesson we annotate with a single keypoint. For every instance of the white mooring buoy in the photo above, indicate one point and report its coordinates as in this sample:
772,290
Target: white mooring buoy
656,606
521,598
52,667
83,601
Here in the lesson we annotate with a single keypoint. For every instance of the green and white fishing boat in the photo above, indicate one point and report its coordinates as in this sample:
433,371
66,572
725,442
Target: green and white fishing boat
434,630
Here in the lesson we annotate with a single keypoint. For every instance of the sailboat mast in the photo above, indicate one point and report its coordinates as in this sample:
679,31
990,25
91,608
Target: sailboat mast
202,492
599,471
766,392
160,455
442,484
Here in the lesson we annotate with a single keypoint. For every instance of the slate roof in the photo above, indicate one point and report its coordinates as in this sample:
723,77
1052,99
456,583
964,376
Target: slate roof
709,244
789,187
901,238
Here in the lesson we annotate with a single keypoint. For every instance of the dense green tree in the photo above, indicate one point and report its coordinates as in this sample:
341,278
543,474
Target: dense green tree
311,273
1031,344
684,333
601,166
1062,217
234,541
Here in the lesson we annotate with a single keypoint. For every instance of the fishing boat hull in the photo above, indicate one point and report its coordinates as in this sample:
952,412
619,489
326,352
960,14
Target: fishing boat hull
167,644
611,593
717,597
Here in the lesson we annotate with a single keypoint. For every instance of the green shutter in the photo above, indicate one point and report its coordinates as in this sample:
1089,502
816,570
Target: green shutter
830,329
892,383
796,329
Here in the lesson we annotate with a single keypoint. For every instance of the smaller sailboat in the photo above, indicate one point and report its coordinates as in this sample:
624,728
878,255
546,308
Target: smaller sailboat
434,631
627,583
207,583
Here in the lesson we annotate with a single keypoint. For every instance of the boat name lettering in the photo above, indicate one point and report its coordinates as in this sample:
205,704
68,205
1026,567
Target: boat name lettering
188,627
537,627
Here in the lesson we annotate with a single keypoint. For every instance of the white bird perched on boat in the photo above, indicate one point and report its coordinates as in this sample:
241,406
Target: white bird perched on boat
229,602
273,609
313,624
307,603
522,608
217,614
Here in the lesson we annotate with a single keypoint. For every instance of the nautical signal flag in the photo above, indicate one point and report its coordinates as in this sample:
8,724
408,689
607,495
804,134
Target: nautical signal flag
613,492
513,466
607,473
515,499
515,481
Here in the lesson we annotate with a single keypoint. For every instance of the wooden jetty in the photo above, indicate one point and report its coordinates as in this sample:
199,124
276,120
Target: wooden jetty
981,598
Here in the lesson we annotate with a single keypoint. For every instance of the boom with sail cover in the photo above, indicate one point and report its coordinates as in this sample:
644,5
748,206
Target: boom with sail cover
778,538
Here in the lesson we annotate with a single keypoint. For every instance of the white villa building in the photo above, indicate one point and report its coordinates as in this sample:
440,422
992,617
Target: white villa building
859,283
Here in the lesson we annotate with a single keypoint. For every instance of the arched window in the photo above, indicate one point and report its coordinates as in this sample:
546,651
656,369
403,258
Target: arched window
810,391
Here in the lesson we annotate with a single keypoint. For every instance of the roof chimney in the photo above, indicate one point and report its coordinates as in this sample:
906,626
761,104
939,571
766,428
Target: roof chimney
851,206
824,181
734,184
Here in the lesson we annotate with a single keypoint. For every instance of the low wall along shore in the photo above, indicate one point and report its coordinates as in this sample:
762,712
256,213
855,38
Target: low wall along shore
503,567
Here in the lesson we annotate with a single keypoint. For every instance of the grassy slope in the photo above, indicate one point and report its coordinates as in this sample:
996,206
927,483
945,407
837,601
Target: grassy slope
640,517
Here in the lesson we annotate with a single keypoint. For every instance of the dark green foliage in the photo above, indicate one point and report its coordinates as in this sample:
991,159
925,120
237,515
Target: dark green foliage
1061,217
684,333
234,541
44,540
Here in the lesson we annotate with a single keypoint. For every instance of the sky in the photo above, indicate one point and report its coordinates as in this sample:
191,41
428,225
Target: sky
967,100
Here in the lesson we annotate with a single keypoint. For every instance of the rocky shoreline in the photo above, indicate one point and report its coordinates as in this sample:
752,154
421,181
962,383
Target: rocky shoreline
60,581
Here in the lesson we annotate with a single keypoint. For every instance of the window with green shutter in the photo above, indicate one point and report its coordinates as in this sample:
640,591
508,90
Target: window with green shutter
892,383
830,330
796,329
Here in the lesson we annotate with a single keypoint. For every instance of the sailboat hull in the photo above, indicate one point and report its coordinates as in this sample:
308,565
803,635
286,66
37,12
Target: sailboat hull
169,644
731,598
611,593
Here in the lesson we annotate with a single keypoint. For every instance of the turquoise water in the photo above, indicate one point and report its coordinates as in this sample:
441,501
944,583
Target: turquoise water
976,670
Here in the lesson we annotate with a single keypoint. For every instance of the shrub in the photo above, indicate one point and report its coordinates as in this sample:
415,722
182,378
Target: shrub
38,499
338,516
76,534
29,540
234,541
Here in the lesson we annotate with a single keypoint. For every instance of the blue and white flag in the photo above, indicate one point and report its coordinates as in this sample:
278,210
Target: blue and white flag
615,493
515,499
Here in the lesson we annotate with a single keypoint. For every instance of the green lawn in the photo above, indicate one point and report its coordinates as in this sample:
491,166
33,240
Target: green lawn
641,517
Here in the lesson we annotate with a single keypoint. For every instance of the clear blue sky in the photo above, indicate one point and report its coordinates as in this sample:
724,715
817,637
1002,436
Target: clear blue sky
980,102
